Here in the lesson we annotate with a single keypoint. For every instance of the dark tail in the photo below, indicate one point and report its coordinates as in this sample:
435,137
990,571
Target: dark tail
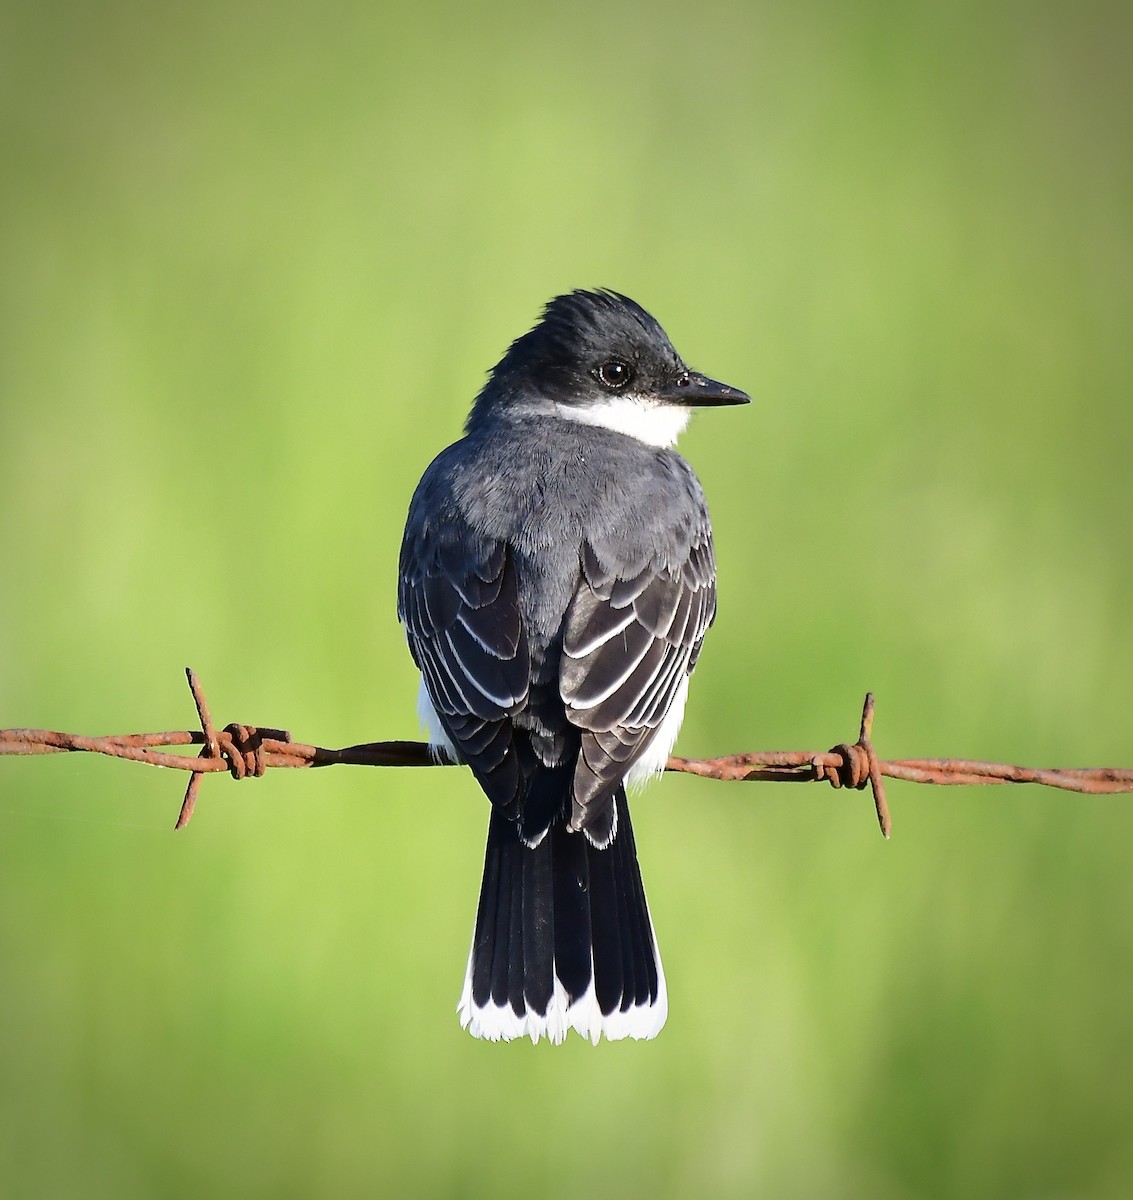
563,939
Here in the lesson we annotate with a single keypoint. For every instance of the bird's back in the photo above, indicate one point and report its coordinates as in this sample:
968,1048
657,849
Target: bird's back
546,487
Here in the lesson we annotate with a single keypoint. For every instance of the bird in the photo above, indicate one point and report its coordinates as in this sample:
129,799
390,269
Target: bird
556,580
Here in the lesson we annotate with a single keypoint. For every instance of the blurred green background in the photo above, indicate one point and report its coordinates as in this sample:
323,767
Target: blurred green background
256,261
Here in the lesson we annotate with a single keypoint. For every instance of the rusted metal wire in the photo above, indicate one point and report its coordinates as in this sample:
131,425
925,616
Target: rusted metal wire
248,750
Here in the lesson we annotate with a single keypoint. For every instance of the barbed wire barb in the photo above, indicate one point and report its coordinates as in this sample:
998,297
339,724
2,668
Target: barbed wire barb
249,751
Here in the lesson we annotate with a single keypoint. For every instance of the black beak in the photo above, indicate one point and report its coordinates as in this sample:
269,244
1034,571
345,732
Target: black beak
695,390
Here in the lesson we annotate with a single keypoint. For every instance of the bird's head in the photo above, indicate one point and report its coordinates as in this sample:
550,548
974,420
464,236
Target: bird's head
600,359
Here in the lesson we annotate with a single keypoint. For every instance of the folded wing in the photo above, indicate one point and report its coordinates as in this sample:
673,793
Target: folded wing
629,643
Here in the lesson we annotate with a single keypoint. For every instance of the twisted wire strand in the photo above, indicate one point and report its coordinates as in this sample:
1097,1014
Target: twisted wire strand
248,751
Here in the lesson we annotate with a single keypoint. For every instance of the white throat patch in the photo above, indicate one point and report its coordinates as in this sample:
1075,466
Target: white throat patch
638,416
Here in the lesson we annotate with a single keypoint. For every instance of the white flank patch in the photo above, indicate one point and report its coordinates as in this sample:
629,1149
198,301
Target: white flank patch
652,762
439,744
638,416
501,1023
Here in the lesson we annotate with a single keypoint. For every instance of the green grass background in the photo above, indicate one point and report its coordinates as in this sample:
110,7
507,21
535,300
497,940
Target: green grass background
256,259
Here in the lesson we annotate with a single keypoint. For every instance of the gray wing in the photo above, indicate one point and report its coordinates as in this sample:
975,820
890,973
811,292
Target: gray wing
460,608
628,645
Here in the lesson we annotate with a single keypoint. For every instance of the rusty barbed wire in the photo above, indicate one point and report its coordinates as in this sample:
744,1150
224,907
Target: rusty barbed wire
249,750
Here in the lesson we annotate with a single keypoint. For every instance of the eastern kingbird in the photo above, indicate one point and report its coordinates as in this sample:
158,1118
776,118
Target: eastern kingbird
556,581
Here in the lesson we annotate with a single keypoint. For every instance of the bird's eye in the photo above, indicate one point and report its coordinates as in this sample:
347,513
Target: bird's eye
614,374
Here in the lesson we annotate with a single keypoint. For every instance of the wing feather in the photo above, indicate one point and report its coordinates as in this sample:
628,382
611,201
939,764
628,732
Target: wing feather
594,624
598,676
628,645
462,619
